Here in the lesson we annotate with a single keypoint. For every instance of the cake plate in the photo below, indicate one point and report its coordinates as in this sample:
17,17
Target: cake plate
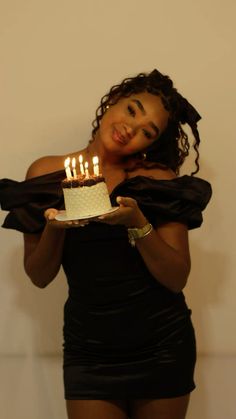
63,217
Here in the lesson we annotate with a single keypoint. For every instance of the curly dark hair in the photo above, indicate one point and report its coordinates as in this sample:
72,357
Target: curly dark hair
172,147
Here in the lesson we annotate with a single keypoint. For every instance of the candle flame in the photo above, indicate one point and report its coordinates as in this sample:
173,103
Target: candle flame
95,160
67,168
81,158
73,163
67,162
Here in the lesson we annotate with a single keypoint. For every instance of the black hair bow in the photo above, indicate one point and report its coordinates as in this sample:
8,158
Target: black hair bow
188,114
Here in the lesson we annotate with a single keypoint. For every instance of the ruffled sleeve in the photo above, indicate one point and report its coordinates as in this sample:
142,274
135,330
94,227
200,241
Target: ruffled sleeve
26,201
181,200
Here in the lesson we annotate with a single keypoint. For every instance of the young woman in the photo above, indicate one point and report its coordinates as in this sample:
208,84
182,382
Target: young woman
129,344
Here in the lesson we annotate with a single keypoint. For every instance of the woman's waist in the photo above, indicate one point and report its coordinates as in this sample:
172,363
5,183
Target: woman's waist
130,322
111,289
142,301
104,267
134,310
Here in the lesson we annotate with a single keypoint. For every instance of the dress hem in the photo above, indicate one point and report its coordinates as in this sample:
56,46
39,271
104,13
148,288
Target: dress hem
135,396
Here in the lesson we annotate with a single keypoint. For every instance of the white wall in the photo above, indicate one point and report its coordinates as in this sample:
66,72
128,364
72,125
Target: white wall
57,59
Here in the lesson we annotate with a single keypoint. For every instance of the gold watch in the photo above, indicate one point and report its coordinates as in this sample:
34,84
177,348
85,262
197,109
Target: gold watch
138,233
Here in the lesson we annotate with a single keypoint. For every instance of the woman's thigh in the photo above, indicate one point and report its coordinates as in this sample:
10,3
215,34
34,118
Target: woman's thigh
174,408
96,409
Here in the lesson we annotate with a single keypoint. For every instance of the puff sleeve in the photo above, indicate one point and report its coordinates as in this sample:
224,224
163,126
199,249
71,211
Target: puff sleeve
182,199
26,201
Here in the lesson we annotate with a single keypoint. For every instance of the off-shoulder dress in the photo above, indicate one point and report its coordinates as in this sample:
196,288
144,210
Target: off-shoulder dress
126,336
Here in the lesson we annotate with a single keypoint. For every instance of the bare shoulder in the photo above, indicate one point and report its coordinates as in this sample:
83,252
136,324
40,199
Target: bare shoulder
45,165
154,173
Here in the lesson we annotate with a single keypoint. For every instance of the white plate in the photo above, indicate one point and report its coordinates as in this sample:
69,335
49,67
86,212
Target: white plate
63,217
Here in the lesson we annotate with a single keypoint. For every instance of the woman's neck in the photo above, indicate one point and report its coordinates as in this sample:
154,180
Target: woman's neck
106,158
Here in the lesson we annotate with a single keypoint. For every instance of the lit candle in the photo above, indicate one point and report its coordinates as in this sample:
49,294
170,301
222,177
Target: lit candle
86,169
74,167
81,165
67,168
95,166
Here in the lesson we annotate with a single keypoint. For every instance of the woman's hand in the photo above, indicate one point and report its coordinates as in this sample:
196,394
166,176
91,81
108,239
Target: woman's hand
128,214
50,215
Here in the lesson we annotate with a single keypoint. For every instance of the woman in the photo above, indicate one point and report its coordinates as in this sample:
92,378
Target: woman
129,344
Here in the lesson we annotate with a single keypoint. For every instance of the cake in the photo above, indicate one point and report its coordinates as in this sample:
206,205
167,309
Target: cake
85,196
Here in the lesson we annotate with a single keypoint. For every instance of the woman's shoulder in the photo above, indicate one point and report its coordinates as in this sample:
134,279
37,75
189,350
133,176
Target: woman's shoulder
48,164
45,165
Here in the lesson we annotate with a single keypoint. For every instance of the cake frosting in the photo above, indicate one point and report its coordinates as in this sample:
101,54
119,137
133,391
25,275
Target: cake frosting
85,196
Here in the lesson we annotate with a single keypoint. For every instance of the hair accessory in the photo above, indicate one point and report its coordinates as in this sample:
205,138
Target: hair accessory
188,113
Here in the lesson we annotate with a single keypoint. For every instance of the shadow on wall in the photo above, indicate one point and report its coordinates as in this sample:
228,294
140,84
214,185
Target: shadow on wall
44,307
206,286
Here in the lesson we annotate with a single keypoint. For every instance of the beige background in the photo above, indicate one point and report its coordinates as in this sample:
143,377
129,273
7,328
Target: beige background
57,59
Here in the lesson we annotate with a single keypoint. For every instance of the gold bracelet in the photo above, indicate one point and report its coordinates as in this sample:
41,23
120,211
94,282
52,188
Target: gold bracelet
138,233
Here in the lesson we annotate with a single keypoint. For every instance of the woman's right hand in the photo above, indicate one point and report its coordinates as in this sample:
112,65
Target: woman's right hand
50,215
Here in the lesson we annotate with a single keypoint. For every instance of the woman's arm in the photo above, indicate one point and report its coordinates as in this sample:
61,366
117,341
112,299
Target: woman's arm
42,255
165,250
43,252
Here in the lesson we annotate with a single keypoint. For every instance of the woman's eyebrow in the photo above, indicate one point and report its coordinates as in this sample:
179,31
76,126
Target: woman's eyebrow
140,106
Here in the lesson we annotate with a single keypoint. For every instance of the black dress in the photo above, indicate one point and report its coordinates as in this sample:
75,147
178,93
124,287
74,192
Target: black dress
126,336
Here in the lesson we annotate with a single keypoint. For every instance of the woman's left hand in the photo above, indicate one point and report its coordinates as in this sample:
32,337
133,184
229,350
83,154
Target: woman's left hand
128,214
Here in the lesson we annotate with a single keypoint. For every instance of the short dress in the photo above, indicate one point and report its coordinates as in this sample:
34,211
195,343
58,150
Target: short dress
126,336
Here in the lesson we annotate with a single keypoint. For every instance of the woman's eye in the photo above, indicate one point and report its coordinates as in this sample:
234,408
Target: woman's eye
147,134
131,110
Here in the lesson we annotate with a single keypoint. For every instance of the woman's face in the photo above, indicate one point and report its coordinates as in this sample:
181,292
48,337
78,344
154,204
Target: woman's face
133,124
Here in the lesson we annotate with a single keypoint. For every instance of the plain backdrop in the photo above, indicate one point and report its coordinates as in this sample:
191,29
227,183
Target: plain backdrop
57,59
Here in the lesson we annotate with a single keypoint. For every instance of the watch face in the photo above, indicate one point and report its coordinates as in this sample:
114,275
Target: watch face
138,233
135,233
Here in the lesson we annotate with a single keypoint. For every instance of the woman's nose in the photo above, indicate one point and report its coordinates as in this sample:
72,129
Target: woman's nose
130,131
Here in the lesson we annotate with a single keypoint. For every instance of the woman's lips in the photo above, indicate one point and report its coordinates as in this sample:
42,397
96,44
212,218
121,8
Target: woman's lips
118,137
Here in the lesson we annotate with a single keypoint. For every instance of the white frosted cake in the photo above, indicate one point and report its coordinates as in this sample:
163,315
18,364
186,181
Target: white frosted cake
85,197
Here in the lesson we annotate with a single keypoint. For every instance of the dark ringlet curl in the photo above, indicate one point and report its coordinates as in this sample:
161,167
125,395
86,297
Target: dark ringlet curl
172,147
